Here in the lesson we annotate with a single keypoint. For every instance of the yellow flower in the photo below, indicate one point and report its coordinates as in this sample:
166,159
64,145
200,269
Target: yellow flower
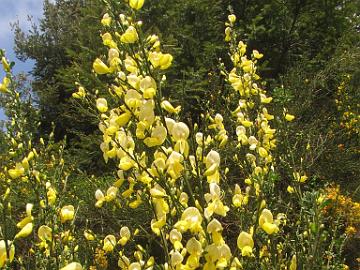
72,266
3,253
111,193
101,105
193,246
100,198
136,4
158,136
135,266
221,254
5,64
176,258
262,152
245,243
158,59
227,34
126,163
191,219
51,195
113,54
212,162
174,166
264,99
293,263
216,205
25,231
67,213
290,189
80,93
238,199
45,233
130,35
106,20
175,238
148,87
300,178
257,55
266,222
215,228
246,123
89,235
4,85
167,106
125,235
100,67
289,117
109,243
17,172
157,224
232,18
180,133
29,218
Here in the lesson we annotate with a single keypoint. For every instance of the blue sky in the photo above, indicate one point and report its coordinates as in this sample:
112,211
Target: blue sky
12,11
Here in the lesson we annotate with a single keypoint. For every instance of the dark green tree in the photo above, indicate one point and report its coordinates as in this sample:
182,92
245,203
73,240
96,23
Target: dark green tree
291,33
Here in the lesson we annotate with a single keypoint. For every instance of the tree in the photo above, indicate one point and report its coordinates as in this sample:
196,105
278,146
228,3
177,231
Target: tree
290,33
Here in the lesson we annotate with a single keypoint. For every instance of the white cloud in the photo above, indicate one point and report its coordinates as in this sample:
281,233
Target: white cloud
17,10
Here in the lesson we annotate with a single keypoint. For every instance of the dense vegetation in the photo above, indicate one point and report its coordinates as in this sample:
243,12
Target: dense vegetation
202,152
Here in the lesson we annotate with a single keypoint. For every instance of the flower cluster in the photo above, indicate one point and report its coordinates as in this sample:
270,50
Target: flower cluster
207,195
176,170
30,172
343,206
349,111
